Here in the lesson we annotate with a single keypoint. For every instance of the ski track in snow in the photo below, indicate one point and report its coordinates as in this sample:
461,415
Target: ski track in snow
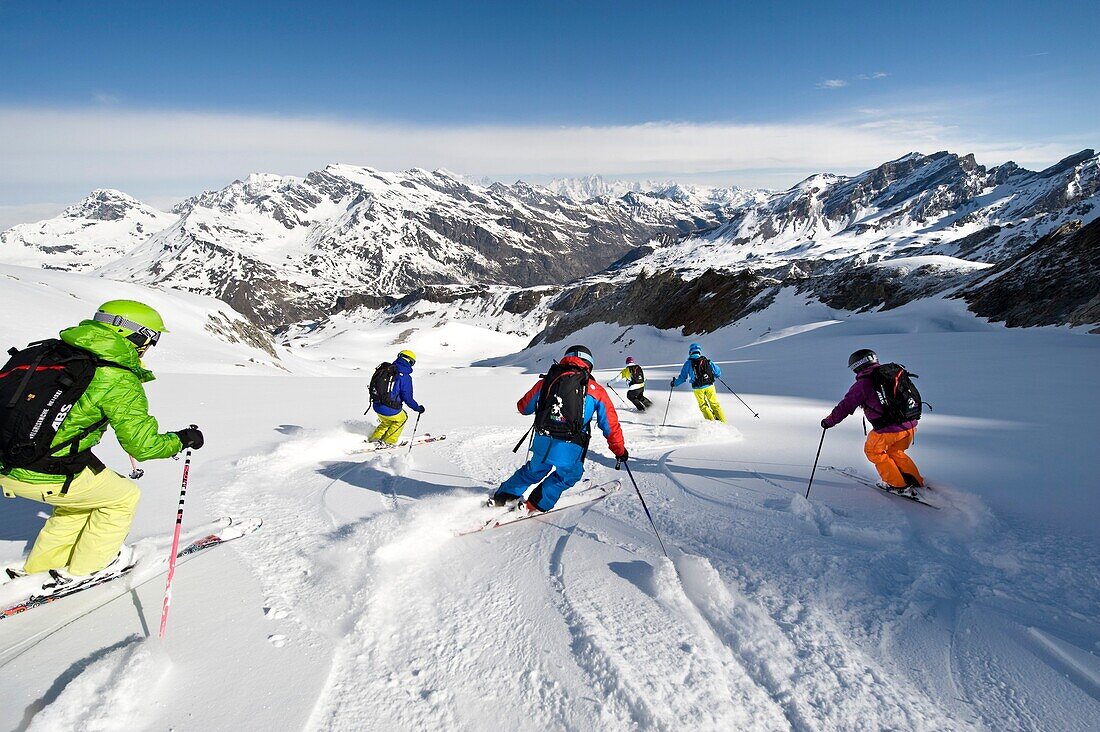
108,691
848,610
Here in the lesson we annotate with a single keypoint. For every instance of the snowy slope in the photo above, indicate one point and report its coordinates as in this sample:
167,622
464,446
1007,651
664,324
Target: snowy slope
451,332
205,335
356,606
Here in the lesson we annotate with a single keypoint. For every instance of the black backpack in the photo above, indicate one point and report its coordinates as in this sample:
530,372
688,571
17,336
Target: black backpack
381,386
38,387
897,394
560,410
637,376
703,373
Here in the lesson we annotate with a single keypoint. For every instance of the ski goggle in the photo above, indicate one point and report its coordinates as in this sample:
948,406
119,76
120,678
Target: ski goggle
141,337
865,361
144,338
582,355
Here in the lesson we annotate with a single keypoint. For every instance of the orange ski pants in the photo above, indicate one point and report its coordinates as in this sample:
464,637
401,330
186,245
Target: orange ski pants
887,451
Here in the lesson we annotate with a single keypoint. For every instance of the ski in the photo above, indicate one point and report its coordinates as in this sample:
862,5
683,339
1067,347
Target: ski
515,514
231,529
871,484
422,440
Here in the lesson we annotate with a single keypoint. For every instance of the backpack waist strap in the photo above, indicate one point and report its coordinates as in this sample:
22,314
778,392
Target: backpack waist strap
72,463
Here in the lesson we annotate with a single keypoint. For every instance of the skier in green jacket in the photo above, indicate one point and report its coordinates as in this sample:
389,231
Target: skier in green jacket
92,515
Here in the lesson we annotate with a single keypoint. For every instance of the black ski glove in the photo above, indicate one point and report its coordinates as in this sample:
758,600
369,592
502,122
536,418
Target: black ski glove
824,424
421,410
190,437
622,457
672,384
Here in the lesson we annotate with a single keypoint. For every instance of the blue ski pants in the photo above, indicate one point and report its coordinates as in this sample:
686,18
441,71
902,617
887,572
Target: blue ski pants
556,463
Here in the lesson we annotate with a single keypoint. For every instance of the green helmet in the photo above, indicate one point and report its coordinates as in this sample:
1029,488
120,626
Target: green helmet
137,322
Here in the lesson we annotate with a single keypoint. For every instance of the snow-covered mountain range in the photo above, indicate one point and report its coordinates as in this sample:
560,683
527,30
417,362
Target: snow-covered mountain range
106,225
914,227
586,188
281,248
934,204
284,249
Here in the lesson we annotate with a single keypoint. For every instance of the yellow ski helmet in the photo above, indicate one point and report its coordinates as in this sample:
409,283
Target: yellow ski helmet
408,356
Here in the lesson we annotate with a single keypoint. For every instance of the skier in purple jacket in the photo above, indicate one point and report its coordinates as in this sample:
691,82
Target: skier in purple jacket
886,443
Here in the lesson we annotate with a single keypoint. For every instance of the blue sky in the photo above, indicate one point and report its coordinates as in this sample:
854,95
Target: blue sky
162,98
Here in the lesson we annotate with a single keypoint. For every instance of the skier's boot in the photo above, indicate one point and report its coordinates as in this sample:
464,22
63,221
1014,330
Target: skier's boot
123,561
497,500
911,481
532,508
905,491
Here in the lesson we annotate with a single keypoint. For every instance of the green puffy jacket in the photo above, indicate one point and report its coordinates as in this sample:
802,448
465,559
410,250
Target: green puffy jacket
115,393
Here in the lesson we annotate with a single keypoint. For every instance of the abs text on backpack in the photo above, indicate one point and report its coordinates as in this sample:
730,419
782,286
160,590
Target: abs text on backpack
897,394
381,386
702,373
38,387
560,409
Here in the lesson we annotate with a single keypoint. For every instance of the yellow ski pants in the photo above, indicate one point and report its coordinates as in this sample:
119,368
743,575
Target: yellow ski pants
707,398
88,523
389,428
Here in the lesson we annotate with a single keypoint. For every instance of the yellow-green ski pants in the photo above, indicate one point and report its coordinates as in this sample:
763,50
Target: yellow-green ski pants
389,428
708,403
88,523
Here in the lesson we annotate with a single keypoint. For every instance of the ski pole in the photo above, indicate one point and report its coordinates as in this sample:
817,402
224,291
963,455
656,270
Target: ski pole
175,542
137,472
739,398
413,438
518,444
665,418
647,513
609,386
816,458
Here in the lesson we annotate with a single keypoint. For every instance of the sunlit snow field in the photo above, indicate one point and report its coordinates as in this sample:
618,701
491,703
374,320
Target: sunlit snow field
357,607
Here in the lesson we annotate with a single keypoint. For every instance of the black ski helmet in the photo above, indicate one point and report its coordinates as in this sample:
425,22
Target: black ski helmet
580,352
862,358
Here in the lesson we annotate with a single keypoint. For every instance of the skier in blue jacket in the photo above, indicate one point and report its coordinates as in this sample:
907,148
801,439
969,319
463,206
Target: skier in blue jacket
391,419
702,372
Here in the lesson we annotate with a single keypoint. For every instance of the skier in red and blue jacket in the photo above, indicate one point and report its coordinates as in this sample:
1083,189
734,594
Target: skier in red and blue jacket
556,464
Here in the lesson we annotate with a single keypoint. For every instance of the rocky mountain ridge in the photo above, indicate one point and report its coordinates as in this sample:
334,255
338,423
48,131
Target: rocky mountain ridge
104,226
283,249
920,226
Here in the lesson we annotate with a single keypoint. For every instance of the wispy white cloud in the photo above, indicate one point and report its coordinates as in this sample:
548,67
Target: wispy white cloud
58,154
841,83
